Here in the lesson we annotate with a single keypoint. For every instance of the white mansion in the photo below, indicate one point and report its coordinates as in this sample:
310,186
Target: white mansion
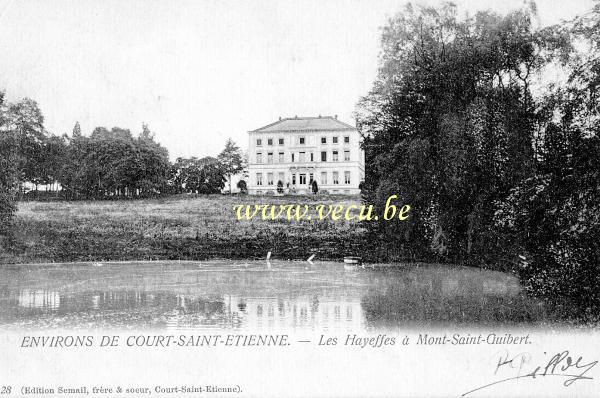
298,150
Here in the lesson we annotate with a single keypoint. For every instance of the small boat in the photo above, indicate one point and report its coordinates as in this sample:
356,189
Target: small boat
352,260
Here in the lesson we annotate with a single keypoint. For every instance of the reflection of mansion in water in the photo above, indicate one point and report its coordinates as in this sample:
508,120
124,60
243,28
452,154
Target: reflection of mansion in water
299,312
269,313
39,299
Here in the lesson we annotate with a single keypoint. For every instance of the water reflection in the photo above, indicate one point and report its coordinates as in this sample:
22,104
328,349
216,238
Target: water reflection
255,295
39,299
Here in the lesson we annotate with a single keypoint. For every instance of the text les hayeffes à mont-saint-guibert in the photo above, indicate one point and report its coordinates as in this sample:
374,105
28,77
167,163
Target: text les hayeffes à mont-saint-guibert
425,339
321,212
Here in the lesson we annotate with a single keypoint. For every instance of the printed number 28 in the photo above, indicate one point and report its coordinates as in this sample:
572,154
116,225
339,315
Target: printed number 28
5,390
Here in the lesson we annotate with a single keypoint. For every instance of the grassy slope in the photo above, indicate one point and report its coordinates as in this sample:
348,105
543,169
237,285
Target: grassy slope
172,228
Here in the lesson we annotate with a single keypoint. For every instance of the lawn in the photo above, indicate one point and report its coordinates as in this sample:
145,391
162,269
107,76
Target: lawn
179,227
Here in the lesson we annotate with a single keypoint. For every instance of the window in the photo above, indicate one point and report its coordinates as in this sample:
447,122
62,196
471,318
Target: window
311,178
270,158
294,179
269,178
346,177
258,157
258,142
270,142
302,157
281,157
336,177
346,156
335,140
293,157
281,177
323,140
346,139
302,140
281,141
323,178
335,157
323,156
258,178
302,179
312,157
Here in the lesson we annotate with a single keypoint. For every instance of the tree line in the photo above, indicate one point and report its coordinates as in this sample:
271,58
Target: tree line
107,164
499,162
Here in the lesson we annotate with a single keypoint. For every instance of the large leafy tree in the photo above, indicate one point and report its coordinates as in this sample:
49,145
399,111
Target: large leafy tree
552,220
8,167
112,163
448,126
152,163
193,175
25,120
72,176
231,159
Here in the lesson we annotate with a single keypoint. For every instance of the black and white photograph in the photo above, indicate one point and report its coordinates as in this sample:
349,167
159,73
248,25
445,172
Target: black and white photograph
342,198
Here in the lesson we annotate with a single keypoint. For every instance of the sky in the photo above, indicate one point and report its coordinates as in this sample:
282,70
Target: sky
198,72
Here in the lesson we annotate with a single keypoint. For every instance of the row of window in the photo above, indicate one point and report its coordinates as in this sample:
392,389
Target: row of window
302,140
304,178
302,157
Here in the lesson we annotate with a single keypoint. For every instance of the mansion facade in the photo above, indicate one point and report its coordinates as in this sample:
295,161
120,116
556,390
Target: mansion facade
300,150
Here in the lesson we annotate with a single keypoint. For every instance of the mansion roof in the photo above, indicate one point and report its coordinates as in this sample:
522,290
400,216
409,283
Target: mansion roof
319,123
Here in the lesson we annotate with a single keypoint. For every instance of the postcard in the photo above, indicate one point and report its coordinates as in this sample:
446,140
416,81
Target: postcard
299,198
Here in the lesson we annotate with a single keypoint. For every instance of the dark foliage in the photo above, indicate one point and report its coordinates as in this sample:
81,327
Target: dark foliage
193,175
495,176
114,164
448,127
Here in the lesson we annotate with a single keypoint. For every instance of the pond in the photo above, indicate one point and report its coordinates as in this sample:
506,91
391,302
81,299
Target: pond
259,295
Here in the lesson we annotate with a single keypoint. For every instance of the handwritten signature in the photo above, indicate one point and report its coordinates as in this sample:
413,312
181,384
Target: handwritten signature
562,364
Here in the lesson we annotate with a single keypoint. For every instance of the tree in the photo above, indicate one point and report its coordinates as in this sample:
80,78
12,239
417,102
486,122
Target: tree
551,221
448,126
195,175
51,161
8,168
76,130
152,164
231,160
26,121
242,186
314,187
112,163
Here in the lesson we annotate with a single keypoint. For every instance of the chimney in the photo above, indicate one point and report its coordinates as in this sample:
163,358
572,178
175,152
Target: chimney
279,118
296,117
335,117
319,116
